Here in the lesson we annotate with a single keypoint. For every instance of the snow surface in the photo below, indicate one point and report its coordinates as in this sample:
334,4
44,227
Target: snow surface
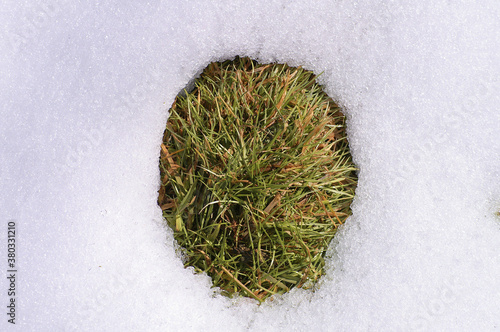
85,90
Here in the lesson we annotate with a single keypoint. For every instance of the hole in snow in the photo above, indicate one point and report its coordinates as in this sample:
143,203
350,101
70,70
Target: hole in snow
256,176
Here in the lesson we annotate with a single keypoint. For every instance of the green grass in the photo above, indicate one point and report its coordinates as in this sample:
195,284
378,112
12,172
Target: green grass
256,176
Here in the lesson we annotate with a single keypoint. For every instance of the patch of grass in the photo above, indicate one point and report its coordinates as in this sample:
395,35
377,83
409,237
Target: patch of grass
256,176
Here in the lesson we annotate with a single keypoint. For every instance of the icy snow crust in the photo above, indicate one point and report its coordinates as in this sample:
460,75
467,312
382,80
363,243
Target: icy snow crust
85,91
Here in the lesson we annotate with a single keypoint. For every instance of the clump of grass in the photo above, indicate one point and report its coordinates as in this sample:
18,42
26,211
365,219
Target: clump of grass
256,176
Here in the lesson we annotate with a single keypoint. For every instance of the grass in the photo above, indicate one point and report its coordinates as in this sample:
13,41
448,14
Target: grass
256,176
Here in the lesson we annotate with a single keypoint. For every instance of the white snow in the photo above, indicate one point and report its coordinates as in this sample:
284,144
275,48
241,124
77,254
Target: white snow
84,93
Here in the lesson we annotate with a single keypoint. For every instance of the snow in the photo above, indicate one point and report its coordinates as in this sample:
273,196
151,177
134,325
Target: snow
85,90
